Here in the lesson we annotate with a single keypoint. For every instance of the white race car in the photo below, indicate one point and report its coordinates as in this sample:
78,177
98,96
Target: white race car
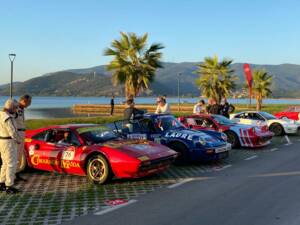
277,126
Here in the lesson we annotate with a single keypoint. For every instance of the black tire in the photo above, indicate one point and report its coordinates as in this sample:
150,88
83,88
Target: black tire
233,139
182,158
98,170
277,129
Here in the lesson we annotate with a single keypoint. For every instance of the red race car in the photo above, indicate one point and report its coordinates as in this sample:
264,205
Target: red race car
292,113
237,134
94,151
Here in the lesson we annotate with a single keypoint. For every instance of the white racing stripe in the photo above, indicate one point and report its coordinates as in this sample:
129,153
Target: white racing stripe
180,183
273,149
251,157
113,208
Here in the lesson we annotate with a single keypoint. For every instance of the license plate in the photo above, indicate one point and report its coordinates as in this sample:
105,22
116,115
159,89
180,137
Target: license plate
223,149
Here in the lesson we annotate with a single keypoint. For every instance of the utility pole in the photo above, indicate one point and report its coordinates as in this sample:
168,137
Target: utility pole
178,90
12,57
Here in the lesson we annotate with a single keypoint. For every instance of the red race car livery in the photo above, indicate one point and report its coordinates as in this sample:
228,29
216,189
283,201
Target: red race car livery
292,113
94,151
237,134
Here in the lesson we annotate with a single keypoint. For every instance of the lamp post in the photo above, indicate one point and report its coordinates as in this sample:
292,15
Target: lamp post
11,58
178,90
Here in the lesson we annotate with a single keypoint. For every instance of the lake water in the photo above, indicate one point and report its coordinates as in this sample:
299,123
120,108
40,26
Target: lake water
59,107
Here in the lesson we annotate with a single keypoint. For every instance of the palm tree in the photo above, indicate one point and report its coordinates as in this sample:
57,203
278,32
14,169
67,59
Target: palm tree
133,64
261,86
216,79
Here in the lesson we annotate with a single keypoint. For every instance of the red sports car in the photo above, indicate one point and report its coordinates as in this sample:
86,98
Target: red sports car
292,113
94,151
237,134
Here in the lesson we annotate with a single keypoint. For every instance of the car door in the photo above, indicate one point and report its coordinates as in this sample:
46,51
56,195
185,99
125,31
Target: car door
43,151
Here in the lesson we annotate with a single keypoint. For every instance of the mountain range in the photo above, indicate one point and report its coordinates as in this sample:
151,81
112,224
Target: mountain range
96,81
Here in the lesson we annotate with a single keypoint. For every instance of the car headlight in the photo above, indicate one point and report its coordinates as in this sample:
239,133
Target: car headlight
202,140
224,137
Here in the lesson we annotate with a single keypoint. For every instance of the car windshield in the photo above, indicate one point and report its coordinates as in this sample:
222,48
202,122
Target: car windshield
166,123
222,120
97,134
268,116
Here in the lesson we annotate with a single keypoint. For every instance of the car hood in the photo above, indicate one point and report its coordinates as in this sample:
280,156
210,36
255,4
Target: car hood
141,148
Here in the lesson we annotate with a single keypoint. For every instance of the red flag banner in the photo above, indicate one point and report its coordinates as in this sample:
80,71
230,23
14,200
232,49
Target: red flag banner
248,75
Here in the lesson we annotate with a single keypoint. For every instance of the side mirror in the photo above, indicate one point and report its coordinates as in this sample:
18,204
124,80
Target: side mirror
37,147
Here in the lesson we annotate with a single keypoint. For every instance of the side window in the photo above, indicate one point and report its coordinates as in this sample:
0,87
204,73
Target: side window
240,116
41,136
66,137
191,121
147,126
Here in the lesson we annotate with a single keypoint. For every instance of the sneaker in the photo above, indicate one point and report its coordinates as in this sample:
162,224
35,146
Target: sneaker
2,187
19,178
11,190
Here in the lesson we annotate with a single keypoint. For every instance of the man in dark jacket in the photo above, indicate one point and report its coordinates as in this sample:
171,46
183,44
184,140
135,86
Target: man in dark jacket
213,107
130,111
112,105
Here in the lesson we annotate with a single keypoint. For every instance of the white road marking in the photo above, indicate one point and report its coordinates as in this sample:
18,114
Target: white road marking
113,208
273,149
223,168
180,183
251,157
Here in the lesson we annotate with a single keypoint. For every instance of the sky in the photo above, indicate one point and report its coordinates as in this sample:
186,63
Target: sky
54,35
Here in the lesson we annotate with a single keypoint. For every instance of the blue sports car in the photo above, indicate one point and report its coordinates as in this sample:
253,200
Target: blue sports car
167,130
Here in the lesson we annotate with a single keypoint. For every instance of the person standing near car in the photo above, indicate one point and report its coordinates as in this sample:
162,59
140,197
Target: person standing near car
9,140
24,102
162,105
199,107
112,105
213,107
130,111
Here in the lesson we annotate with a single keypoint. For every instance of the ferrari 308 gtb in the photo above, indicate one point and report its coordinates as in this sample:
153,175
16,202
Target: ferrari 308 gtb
94,151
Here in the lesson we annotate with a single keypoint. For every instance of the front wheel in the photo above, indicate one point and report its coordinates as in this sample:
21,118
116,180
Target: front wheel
98,170
233,139
277,129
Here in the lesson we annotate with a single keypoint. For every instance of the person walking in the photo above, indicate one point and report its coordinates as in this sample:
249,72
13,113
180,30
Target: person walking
162,106
112,105
199,107
9,140
24,102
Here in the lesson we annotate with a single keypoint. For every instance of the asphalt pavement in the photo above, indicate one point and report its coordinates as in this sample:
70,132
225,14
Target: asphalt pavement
262,190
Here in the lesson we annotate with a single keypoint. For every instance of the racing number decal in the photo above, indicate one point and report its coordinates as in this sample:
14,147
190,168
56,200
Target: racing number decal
68,155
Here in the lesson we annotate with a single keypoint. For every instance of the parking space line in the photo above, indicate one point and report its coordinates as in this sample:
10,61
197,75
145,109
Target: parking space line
251,157
180,183
223,168
113,208
273,149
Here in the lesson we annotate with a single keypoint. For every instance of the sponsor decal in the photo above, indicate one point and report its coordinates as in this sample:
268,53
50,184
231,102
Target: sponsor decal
137,136
36,160
179,135
31,150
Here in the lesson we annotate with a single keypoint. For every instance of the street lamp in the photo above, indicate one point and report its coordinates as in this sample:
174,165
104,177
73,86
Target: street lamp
178,90
11,58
